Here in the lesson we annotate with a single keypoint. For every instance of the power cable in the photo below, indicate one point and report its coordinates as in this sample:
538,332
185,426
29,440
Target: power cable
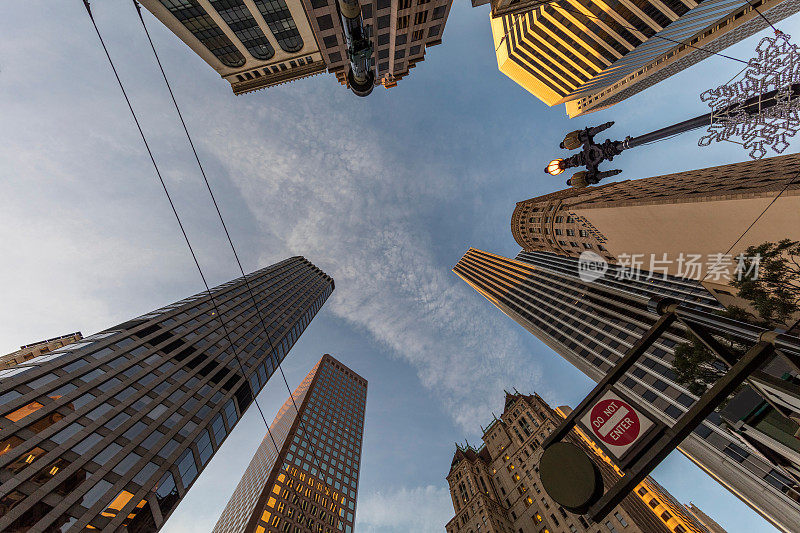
180,224
228,236
777,31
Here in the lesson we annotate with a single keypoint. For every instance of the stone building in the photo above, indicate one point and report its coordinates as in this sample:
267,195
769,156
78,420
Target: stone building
592,323
670,218
255,44
496,488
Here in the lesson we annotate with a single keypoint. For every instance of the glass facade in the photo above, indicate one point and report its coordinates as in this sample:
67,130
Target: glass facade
279,19
593,324
307,480
110,432
192,15
241,22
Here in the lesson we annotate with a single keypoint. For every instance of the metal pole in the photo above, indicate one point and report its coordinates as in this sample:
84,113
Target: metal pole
676,434
361,77
624,364
749,107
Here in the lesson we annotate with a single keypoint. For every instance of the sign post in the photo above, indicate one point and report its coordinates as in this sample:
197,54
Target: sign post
634,441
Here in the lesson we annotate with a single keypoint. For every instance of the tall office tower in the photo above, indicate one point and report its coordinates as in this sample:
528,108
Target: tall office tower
497,487
307,478
675,216
591,55
110,432
260,43
29,351
592,324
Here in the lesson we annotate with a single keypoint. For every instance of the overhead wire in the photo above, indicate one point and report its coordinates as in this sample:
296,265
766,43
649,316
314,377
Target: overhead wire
758,217
185,235
230,241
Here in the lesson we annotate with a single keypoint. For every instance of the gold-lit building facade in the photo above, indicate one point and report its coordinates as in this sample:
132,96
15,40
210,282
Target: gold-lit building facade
496,488
593,323
304,475
592,55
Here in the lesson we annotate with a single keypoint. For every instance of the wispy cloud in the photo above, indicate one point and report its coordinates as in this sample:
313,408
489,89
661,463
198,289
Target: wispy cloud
328,189
419,509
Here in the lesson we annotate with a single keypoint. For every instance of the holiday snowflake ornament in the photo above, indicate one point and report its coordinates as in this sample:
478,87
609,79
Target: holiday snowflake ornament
769,75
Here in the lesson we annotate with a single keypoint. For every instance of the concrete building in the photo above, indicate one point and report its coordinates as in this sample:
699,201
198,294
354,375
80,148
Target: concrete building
306,479
592,55
496,488
697,214
29,351
110,432
593,323
256,44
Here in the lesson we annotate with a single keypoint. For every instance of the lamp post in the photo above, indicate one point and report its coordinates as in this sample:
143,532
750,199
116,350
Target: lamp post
592,154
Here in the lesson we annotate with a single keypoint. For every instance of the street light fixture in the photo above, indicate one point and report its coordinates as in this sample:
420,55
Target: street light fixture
555,167
592,154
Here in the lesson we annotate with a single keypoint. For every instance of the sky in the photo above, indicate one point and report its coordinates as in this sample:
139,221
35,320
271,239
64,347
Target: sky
383,193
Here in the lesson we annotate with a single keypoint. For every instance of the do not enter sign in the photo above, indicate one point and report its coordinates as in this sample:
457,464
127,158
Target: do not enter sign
616,423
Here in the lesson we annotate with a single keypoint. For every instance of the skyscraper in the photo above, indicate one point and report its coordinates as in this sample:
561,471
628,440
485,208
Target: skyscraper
497,488
263,43
592,324
110,432
592,55
695,213
307,478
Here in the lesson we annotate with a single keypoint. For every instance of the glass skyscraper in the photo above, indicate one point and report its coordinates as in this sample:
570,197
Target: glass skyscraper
307,478
109,432
592,325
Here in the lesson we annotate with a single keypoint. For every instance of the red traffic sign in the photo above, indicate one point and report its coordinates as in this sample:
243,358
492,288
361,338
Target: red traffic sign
616,423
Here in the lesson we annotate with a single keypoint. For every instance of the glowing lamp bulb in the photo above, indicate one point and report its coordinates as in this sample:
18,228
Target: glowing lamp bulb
555,167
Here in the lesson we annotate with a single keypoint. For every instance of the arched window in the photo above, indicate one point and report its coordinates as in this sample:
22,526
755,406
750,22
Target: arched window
279,19
241,22
201,25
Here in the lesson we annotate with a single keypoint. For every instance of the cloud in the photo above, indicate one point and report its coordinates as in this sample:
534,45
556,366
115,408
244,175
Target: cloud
332,191
419,509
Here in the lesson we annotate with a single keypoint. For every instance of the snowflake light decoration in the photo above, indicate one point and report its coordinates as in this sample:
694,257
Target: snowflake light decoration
774,70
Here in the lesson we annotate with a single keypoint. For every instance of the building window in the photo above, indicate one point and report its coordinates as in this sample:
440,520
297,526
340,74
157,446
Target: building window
421,17
202,26
610,527
587,245
239,19
679,529
621,519
416,35
653,503
583,233
402,22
